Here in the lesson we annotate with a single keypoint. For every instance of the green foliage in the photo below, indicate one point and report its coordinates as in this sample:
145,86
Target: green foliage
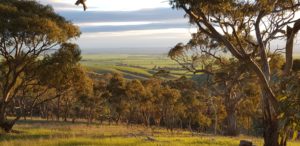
28,29
32,21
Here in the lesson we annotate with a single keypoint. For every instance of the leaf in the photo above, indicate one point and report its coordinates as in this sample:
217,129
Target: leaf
282,98
280,116
279,138
295,135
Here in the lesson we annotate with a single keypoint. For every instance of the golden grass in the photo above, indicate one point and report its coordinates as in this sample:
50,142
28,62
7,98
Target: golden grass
43,133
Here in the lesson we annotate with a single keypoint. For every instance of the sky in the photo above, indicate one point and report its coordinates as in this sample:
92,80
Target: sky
120,26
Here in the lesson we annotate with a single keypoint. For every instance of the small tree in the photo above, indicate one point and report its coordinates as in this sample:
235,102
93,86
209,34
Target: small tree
135,93
117,98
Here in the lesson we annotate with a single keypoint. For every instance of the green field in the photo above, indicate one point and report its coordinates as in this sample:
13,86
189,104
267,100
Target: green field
135,66
132,66
47,133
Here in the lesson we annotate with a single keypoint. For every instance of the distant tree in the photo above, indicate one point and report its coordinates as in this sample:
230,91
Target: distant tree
194,100
135,93
117,99
150,106
170,106
224,76
27,30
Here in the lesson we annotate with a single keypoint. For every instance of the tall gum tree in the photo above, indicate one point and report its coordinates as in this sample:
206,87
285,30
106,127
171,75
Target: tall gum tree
27,30
223,75
246,29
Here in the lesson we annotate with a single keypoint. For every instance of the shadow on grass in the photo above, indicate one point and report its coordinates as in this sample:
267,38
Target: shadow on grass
33,137
8,137
73,143
213,141
42,121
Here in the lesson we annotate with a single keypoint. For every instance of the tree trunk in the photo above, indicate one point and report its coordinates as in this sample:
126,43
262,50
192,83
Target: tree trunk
58,108
270,121
216,124
269,103
231,124
4,123
2,113
90,116
271,133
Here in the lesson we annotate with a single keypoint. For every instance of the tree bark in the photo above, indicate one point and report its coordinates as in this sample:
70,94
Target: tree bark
271,133
58,108
5,124
270,121
231,124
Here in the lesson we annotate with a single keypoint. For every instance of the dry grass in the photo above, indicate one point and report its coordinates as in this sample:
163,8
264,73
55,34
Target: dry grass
40,133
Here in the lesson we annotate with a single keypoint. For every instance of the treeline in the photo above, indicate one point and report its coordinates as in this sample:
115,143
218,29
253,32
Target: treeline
173,104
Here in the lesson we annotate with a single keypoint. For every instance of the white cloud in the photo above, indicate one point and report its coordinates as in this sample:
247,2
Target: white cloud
130,23
139,34
87,24
111,5
165,38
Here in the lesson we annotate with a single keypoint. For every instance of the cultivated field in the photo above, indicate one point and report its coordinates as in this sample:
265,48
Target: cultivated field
136,66
132,66
47,133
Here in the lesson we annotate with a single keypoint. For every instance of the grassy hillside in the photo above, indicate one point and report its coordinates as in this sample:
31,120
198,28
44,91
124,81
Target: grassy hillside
39,132
132,66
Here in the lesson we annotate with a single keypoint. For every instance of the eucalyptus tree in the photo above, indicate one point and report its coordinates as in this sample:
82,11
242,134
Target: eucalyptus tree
151,104
246,29
224,76
61,71
27,30
117,98
136,95
171,106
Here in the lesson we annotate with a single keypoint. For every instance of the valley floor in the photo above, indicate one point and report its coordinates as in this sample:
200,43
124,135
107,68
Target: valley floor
48,133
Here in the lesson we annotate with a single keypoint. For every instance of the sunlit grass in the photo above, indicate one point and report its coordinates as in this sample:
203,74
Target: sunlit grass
40,133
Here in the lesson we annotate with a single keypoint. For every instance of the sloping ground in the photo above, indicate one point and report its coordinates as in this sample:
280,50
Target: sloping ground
127,75
131,66
48,133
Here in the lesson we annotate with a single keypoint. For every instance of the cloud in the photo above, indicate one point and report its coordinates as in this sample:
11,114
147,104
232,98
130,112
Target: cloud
115,27
109,5
172,32
159,14
104,21
149,24
160,39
